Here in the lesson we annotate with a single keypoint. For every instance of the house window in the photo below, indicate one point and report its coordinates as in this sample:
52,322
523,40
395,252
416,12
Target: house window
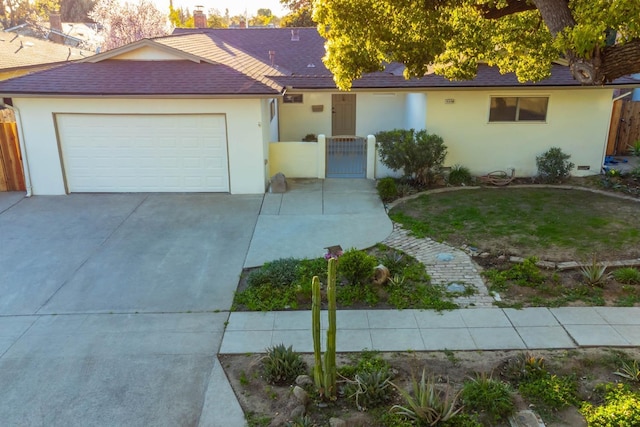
293,99
518,109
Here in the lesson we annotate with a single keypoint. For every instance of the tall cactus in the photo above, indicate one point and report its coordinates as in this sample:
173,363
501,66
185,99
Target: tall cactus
330,373
325,372
318,376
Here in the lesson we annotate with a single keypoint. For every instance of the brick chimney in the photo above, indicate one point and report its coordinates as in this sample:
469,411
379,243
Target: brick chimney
199,18
55,24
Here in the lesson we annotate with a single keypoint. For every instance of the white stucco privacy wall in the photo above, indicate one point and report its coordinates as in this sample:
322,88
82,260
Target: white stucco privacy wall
245,134
577,121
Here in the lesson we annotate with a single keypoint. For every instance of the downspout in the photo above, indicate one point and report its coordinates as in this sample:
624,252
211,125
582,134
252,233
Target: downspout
23,150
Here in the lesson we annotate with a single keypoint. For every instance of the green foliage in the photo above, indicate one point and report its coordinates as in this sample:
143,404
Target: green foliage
628,275
635,148
621,408
348,295
281,272
282,365
387,189
357,267
370,389
524,367
554,165
630,370
485,395
267,298
419,155
459,175
552,391
526,273
594,273
430,403
455,36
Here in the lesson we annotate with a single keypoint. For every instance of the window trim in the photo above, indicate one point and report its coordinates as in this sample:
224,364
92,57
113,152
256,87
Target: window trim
518,97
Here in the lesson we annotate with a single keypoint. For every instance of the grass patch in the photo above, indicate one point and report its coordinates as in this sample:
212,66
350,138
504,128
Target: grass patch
531,219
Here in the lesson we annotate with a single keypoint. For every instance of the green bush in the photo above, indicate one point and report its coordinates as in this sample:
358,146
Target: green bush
627,275
487,396
281,272
356,267
282,365
459,175
621,408
387,189
551,391
419,155
554,165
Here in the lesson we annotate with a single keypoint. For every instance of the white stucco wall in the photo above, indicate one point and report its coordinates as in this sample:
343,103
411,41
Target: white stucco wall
416,111
577,121
296,159
245,136
297,120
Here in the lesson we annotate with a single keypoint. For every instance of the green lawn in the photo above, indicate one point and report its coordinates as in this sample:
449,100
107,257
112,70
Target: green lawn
551,224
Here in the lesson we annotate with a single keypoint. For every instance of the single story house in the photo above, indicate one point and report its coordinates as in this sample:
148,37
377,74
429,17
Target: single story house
209,110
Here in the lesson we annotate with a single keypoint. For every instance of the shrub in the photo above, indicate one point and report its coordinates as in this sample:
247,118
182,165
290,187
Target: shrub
369,389
429,403
387,189
628,275
459,175
356,267
621,408
281,272
550,390
282,365
419,155
526,273
554,165
485,395
524,367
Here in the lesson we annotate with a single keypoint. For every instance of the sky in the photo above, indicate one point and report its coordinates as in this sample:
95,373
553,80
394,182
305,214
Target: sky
236,7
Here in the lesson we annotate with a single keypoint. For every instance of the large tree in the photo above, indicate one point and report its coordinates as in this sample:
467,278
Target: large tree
300,14
128,22
600,39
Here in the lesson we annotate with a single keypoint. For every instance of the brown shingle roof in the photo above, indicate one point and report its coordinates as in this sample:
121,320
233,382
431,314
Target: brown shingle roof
115,77
18,51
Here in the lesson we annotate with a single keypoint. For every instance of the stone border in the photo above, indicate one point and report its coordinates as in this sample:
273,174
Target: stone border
561,266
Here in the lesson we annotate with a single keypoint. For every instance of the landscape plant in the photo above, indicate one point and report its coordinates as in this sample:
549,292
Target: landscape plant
621,408
357,267
418,154
459,175
488,397
281,365
554,165
387,189
324,369
595,272
628,275
429,403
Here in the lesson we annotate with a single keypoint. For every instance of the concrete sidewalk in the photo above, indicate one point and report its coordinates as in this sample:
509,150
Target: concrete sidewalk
314,214
427,330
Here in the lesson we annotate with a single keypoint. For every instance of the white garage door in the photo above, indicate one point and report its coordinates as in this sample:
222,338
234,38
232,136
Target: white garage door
139,153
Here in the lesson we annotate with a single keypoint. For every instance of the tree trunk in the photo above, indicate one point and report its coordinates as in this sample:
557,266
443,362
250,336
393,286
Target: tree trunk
620,60
555,14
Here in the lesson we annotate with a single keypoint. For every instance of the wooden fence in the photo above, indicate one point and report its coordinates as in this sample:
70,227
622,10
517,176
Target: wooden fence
625,127
11,174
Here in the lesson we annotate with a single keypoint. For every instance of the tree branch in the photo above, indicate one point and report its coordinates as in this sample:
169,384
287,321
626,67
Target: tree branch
513,6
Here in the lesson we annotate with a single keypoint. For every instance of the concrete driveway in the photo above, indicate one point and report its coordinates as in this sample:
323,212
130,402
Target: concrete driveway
112,307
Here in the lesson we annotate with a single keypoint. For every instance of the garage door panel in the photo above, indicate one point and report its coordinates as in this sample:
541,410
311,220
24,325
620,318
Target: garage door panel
111,153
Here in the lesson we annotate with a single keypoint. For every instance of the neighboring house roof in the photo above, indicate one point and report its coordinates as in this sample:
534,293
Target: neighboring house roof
255,61
137,78
18,51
